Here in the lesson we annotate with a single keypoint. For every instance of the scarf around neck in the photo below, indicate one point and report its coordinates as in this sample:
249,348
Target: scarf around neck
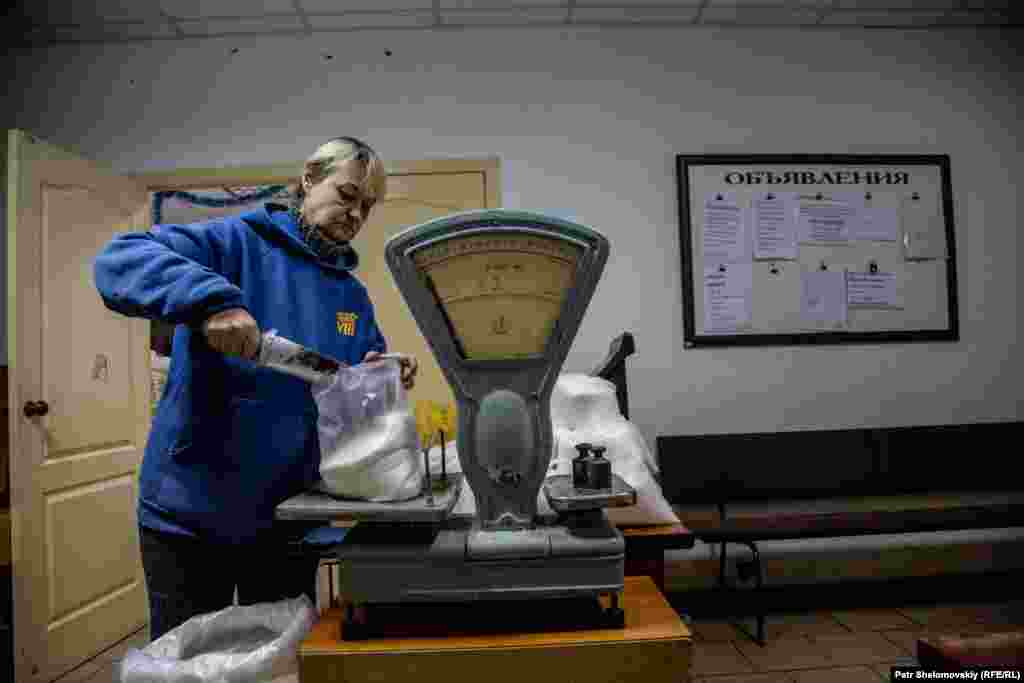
324,246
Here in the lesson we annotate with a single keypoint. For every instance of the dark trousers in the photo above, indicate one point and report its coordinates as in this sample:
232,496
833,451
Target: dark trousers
188,576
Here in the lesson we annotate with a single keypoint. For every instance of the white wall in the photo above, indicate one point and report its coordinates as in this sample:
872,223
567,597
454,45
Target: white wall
587,123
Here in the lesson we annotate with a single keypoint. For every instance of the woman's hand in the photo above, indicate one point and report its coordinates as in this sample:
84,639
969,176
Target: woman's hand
408,365
409,368
233,332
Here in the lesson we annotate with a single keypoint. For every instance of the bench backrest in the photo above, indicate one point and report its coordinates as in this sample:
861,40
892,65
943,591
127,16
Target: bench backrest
713,468
613,368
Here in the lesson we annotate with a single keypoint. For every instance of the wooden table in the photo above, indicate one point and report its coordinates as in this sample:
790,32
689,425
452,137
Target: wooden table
646,546
654,646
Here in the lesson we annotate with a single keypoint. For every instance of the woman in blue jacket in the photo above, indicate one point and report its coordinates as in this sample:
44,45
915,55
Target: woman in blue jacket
231,440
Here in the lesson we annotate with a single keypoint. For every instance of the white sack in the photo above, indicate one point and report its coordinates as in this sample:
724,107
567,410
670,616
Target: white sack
585,409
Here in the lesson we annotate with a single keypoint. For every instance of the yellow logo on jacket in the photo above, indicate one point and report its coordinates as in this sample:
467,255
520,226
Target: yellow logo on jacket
347,323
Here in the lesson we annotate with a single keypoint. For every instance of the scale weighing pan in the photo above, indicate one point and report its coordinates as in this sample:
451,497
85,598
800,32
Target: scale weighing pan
317,505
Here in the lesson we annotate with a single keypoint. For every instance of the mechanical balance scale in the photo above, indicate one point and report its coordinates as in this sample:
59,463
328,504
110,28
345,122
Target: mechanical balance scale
499,296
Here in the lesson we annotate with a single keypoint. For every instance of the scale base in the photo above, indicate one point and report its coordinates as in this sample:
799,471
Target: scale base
456,568
420,620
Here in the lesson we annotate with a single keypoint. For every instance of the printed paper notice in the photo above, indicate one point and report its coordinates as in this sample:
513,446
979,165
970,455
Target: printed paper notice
774,227
876,223
727,292
924,235
775,301
873,290
825,220
725,233
823,298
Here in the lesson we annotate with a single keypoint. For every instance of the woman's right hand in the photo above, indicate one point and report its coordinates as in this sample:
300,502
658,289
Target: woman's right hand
234,332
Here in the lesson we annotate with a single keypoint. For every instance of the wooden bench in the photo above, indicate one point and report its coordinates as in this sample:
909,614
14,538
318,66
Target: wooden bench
887,475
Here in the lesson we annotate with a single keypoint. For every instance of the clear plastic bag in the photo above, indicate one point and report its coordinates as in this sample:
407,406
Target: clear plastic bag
249,643
369,446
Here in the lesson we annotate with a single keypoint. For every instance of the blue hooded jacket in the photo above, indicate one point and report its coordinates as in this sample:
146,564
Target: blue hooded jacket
231,440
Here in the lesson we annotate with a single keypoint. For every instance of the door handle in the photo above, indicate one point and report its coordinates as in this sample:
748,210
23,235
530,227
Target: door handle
36,408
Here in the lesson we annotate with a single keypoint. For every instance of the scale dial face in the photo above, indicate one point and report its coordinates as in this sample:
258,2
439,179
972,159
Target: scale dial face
502,292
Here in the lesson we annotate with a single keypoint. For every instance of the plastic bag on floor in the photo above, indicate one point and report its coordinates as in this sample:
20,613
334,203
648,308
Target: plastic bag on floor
369,446
248,643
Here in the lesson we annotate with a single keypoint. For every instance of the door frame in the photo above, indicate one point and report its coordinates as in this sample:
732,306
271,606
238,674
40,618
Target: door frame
279,174
6,550
287,173
270,174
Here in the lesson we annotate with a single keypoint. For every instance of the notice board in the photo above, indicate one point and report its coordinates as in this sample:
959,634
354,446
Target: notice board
816,249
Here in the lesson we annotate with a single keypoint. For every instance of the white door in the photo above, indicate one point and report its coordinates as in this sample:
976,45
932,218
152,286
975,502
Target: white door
79,412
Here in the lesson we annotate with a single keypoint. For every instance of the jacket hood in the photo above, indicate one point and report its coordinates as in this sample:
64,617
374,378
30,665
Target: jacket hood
275,223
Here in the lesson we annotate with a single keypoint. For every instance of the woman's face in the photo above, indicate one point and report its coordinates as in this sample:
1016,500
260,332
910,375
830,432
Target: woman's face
337,204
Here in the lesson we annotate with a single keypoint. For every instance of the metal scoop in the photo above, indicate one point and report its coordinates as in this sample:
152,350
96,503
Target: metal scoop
284,355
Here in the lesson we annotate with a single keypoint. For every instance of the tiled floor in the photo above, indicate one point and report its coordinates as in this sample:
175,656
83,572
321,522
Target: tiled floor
105,668
849,646
838,646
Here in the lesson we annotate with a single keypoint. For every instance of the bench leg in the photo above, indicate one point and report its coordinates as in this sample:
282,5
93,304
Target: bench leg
721,566
759,638
758,585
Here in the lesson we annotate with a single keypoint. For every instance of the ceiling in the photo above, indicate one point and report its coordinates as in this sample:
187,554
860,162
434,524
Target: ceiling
78,21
